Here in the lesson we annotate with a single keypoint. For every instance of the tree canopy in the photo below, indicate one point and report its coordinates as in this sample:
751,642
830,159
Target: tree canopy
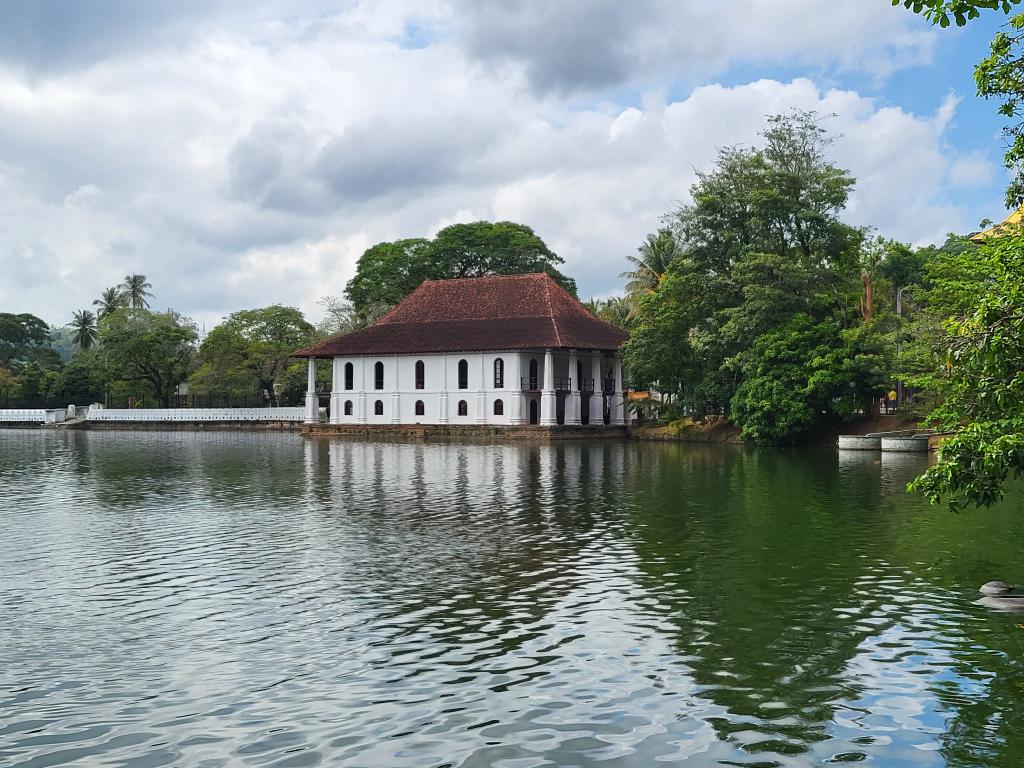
249,350
982,348
765,270
23,338
388,272
943,12
151,347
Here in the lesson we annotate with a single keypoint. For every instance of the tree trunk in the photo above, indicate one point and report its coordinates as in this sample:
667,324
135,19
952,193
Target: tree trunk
867,301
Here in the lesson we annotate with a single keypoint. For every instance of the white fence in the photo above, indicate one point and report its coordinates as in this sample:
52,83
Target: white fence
32,415
195,414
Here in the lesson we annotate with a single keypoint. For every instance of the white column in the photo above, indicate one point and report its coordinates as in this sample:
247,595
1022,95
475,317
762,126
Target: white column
361,397
312,399
596,400
442,412
514,385
573,401
618,404
548,398
481,394
337,394
396,398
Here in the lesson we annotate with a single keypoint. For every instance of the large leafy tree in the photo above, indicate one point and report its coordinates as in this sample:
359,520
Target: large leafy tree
22,338
81,381
983,372
153,348
388,272
251,348
83,328
804,370
760,244
493,248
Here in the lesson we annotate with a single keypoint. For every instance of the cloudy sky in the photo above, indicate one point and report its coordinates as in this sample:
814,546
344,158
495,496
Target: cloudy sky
245,152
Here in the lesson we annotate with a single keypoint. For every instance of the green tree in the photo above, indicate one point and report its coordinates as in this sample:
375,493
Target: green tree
31,390
390,271
81,381
253,345
8,385
134,291
650,264
493,248
614,310
1000,76
984,374
762,242
84,328
802,371
22,339
942,12
110,300
152,348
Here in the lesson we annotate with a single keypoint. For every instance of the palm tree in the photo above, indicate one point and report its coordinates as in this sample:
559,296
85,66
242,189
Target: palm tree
84,329
614,310
109,300
134,291
649,266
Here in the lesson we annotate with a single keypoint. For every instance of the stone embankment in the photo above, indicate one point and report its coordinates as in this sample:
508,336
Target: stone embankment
463,431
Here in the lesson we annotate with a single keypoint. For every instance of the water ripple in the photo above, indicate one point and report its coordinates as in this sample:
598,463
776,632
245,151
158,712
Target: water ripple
256,599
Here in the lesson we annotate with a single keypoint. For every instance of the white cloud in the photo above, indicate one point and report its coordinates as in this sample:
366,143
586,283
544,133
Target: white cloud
251,163
971,171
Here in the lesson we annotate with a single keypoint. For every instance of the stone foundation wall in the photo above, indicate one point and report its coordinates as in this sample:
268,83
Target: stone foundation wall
427,431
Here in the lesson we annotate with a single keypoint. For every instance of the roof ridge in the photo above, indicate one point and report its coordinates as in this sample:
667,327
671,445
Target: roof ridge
551,311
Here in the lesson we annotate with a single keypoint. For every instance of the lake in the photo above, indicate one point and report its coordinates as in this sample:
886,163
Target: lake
257,599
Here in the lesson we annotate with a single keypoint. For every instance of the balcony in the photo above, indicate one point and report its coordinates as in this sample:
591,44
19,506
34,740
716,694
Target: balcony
536,383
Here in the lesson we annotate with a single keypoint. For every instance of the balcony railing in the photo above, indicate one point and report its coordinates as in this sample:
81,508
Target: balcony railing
536,384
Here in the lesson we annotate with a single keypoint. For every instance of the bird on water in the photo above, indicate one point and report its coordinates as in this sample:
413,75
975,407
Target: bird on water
1001,596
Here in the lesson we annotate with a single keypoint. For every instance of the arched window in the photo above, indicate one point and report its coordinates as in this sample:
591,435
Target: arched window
463,374
378,408
499,408
421,374
463,408
420,410
378,375
348,407
499,373
349,375
533,375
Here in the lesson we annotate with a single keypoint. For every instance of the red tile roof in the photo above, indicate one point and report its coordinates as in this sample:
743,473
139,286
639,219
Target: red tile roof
475,314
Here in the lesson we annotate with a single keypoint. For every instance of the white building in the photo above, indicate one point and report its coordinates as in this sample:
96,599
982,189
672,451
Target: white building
505,350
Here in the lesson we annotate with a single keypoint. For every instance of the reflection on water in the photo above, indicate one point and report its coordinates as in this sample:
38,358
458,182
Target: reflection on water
256,599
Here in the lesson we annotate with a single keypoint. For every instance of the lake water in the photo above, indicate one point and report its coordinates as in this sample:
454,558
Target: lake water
190,599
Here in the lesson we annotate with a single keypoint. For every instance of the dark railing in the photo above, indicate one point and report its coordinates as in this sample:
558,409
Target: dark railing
535,384
586,385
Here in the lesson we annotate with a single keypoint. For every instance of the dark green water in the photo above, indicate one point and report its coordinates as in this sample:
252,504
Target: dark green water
245,599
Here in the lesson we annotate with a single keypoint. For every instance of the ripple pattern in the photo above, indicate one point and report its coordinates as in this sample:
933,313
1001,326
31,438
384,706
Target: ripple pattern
211,599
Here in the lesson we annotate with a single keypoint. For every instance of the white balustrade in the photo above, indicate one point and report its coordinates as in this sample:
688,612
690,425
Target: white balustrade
196,414
23,415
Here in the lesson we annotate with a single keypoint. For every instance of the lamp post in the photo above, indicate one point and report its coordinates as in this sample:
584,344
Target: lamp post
899,326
